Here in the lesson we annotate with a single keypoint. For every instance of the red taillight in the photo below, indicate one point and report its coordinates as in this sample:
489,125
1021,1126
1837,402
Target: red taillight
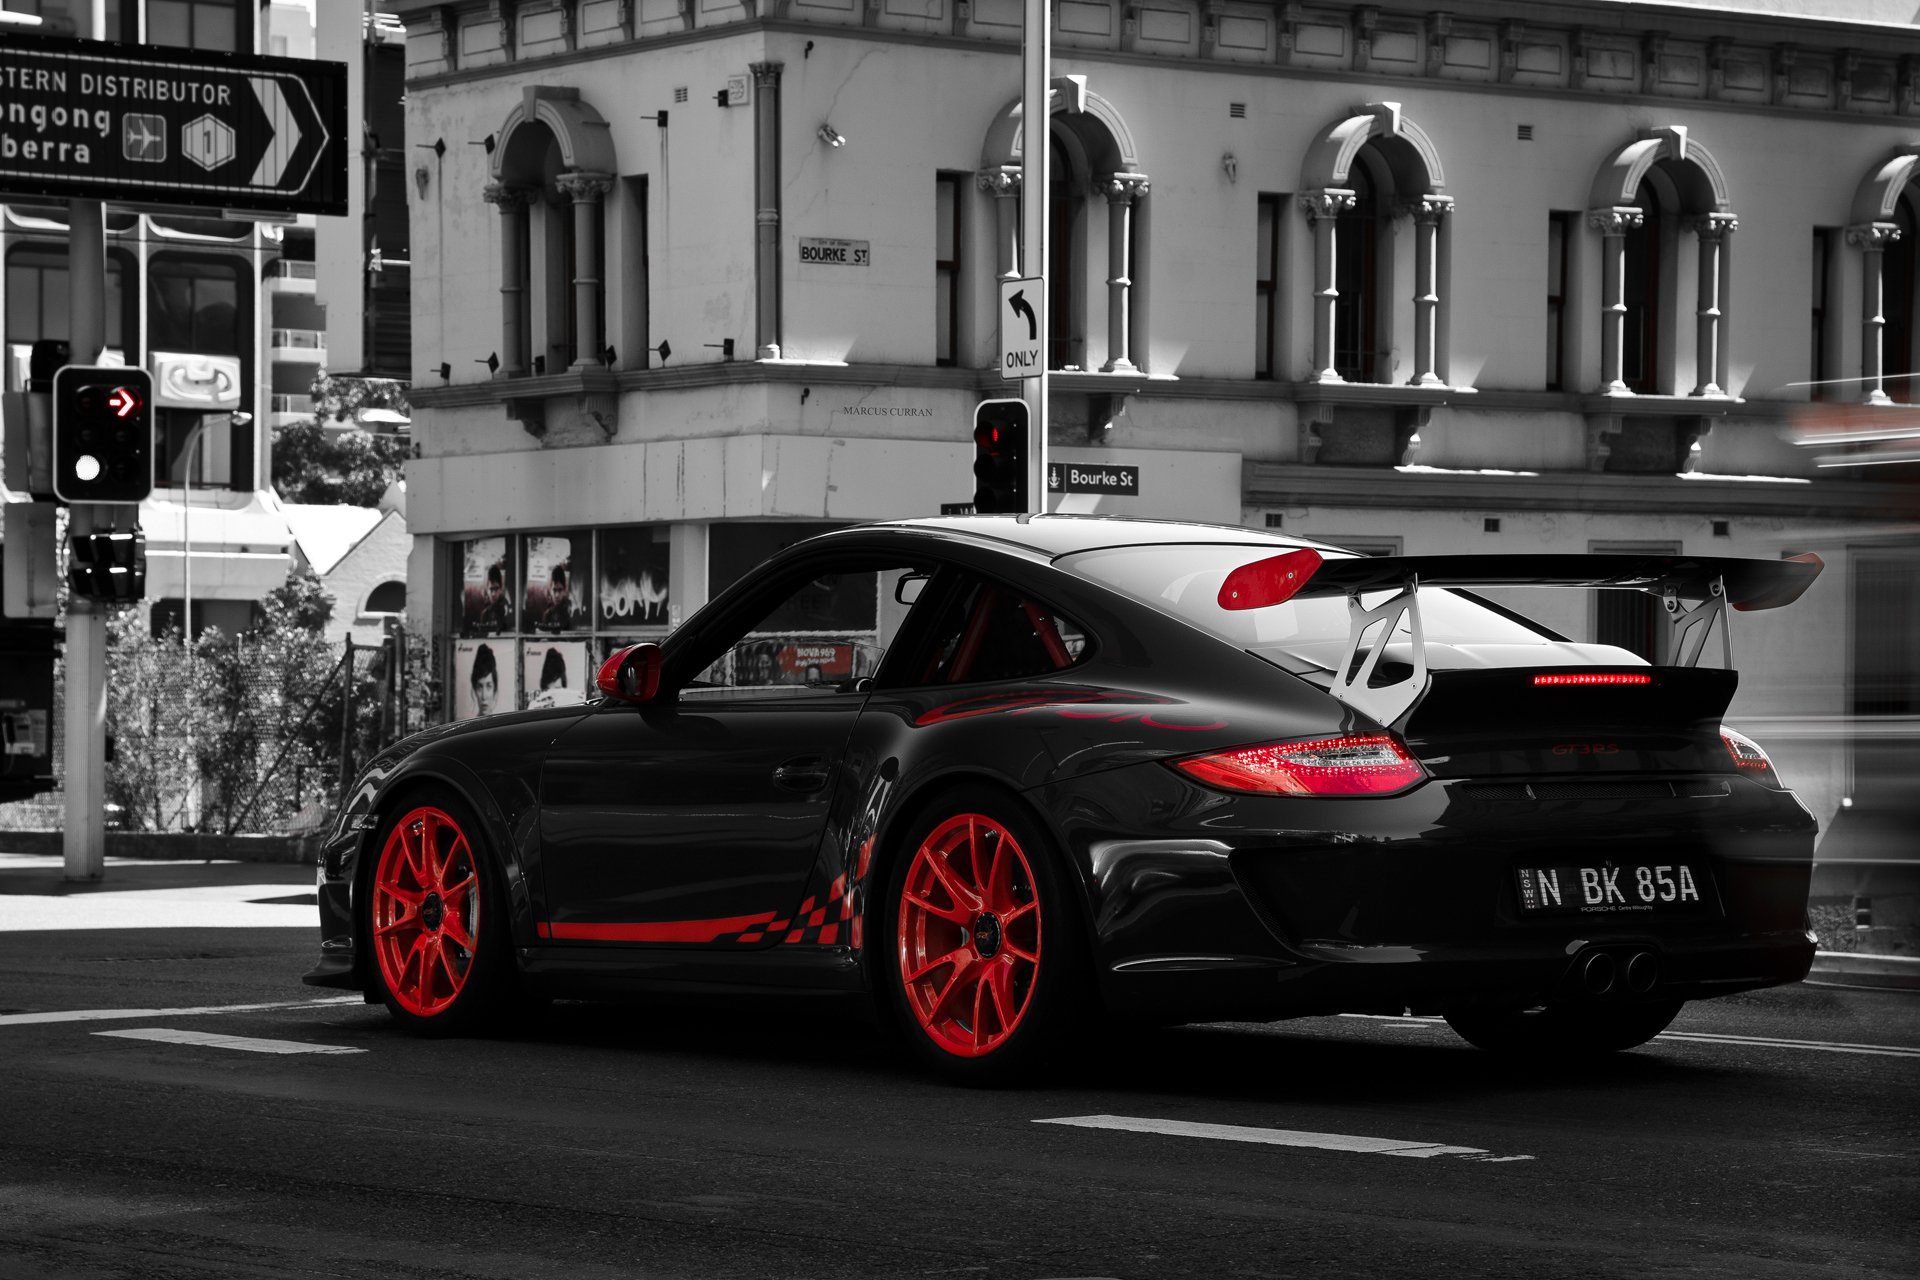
1748,757
1593,677
1349,766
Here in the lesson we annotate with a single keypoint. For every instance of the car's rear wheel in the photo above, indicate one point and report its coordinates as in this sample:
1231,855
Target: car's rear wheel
435,923
985,968
1564,1030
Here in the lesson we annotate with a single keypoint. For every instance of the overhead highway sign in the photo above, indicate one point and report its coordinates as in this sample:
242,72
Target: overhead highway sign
143,125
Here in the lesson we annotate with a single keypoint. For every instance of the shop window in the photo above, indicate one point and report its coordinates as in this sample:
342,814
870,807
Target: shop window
39,303
1632,620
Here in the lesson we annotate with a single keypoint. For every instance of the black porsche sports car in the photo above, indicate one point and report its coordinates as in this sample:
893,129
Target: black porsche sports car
1001,775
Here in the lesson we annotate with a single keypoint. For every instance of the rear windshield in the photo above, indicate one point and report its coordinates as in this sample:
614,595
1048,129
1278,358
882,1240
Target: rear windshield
1184,580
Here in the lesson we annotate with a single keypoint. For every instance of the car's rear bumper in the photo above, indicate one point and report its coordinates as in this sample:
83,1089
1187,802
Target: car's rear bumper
1208,906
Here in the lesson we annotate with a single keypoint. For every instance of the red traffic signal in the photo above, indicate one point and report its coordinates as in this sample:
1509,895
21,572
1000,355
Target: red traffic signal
102,434
1001,435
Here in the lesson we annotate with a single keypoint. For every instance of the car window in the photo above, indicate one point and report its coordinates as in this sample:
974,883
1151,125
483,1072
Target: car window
827,633
986,630
1184,580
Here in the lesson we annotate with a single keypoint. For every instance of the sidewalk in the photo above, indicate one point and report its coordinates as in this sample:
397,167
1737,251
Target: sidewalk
138,893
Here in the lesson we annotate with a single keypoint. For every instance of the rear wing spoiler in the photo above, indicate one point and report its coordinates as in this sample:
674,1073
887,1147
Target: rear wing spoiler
1694,591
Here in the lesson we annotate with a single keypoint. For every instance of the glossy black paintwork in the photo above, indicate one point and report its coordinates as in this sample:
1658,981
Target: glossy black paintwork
1196,903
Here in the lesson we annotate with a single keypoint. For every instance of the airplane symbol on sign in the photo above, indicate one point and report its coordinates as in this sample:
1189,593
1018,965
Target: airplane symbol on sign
123,402
143,137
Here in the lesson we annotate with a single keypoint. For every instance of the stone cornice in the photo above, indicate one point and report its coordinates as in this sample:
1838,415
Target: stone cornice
1288,484
1759,33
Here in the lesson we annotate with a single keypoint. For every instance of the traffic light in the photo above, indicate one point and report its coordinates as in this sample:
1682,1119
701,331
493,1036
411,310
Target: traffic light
1000,435
109,565
102,434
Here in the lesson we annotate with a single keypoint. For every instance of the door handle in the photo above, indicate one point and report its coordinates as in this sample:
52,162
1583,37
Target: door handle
805,774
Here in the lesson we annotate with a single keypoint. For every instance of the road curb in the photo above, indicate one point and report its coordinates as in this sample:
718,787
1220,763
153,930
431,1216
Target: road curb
1854,969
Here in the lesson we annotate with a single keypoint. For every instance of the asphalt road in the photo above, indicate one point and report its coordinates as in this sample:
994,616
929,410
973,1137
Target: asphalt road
1751,1141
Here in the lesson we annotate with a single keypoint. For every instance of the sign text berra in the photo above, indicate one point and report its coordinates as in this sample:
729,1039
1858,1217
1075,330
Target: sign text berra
138,125
835,253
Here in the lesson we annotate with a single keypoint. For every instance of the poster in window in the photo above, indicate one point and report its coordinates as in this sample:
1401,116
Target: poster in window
556,673
486,587
485,678
633,578
558,575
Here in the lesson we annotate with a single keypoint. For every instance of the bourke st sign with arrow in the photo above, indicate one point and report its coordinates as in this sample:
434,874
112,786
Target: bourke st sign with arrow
142,125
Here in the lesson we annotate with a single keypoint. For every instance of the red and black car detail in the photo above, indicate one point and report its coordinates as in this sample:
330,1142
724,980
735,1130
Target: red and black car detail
1071,767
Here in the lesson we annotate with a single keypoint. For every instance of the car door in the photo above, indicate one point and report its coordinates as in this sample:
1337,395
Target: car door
695,820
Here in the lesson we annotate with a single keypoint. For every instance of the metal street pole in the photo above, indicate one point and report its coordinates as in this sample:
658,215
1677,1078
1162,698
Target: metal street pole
84,676
1036,62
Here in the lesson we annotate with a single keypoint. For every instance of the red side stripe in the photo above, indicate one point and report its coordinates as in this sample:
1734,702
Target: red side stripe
657,930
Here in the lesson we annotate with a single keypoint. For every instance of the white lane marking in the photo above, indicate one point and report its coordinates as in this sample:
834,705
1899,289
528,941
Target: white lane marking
1697,1037
1277,1137
1770,1042
117,1015
250,1044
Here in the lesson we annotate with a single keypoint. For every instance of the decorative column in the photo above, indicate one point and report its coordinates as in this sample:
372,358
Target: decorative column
1712,229
512,203
1613,225
1322,208
587,190
1872,239
766,208
1427,211
1004,182
1121,190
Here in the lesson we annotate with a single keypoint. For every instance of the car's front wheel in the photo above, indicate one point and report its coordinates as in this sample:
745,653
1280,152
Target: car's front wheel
985,962
1564,1030
434,922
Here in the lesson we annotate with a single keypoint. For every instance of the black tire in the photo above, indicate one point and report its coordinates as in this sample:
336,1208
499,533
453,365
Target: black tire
1564,1031
433,917
1029,992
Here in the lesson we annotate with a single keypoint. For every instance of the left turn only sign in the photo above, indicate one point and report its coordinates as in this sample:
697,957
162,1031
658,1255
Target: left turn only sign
139,124
1020,337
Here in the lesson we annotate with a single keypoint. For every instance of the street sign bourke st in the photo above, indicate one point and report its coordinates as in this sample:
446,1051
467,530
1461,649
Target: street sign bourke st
144,125
1087,477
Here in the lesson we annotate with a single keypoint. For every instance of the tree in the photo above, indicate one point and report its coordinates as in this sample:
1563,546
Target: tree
314,464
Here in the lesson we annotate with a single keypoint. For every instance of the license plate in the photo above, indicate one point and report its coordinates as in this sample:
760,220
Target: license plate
1658,888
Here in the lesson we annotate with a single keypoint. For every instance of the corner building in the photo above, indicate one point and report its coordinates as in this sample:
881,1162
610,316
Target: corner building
692,278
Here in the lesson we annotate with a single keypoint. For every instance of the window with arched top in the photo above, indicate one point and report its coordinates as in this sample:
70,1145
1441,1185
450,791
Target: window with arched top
388,597
1897,301
552,172
1365,181
1662,211
1096,198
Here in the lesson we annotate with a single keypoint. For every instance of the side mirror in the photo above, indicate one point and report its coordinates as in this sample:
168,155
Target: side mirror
632,674
907,590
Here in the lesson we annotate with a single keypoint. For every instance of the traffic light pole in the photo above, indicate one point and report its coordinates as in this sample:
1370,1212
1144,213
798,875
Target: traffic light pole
84,775
1036,68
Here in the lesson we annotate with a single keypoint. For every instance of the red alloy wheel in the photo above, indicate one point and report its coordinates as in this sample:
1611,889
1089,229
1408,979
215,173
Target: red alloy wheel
969,935
426,911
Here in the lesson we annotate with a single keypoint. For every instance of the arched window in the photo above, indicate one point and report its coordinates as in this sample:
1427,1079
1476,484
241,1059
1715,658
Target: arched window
388,597
1092,165
553,169
1359,179
1661,207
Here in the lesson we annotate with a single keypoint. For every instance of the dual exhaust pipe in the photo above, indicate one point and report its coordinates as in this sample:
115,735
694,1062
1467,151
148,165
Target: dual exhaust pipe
1601,974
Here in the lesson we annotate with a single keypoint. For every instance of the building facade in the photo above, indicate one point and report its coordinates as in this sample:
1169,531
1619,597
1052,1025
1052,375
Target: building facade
692,278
